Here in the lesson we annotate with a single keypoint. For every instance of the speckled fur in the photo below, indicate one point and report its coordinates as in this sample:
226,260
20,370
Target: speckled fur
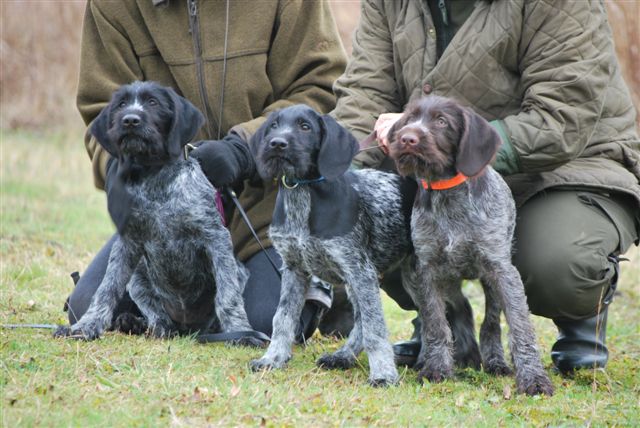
354,259
175,257
464,232
377,238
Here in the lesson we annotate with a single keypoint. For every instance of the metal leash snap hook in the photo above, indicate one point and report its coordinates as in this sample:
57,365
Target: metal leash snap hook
284,183
187,149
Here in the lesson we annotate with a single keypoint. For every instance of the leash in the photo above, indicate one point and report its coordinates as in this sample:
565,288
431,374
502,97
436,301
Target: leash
43,326
246,220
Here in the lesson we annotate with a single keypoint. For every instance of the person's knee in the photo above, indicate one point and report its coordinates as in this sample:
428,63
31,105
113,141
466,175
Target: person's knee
565,282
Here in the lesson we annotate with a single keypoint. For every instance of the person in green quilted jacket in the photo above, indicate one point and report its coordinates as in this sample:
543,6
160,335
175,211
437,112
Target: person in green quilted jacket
236,61
545,74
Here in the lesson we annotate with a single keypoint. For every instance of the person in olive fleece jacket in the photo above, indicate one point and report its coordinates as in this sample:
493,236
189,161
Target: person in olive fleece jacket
236,61
545,74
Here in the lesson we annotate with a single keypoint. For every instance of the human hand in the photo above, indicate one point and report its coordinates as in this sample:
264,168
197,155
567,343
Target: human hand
381,128
225,162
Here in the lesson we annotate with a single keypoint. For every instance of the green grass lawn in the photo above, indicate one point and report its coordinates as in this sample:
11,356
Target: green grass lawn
53,221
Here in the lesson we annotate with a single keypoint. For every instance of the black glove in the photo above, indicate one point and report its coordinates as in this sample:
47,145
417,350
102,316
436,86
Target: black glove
119,201
225,162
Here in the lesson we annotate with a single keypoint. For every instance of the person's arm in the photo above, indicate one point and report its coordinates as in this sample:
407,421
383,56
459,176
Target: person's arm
305,58
368,87
566,64
107,60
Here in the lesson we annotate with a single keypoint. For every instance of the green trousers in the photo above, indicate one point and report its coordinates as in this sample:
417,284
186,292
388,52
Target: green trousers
564,241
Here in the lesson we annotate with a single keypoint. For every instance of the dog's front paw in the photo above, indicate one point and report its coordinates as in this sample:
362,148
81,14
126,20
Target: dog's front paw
497,368
266,363
88,331
130,324
434,375
535,385
160,330
383,382
336,361
62,331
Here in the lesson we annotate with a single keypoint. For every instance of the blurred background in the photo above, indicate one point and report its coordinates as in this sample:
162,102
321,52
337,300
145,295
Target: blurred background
39,47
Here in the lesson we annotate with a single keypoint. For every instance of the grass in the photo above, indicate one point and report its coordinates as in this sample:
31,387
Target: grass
53,221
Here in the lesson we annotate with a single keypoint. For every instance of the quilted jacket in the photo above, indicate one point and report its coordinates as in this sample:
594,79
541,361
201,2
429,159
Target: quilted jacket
279,53
543,71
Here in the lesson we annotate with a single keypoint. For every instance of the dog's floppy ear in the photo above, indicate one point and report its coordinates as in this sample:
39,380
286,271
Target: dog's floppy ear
478,144
187,121
257,140
99,128
337,148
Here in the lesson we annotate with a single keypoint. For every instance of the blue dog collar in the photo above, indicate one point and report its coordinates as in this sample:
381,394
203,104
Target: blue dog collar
296,183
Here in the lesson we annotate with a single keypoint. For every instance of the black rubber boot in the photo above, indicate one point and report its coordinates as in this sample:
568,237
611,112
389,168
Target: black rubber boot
318,301
338,321
406,352
465,346
581,344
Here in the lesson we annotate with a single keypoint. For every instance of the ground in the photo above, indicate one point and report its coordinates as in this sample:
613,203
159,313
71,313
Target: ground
52,223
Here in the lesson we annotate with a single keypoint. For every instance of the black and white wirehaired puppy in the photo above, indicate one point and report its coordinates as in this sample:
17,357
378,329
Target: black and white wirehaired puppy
173,254
345,227
462,228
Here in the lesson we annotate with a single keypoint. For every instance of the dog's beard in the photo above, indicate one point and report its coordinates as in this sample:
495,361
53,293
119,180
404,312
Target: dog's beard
143,149
275,166
429,166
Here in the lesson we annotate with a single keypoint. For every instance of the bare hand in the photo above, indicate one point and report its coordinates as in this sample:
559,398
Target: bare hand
381,128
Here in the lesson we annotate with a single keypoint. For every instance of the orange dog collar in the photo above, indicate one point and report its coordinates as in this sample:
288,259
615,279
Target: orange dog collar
444,184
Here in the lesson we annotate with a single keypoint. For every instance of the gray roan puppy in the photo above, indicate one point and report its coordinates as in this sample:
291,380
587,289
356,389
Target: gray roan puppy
345,227
462,228
173,255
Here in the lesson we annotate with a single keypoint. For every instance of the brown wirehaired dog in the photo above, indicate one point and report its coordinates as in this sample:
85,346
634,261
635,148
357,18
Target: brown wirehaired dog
462,228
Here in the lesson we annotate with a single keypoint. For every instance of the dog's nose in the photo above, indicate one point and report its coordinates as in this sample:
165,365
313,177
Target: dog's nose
278,143
409,138
131,120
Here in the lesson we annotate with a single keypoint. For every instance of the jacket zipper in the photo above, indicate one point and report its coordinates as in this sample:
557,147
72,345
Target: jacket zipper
194,25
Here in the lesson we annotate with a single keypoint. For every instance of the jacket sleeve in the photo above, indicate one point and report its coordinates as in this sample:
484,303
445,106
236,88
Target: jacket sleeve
306,56
107,60
368,86
565,68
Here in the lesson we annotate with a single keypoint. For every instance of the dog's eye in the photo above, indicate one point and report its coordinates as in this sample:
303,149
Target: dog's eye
305,126
152,102
441,121
122,104
274,125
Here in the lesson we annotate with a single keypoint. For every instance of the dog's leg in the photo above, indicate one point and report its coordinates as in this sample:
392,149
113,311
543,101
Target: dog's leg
437,340
285,321
99,315
159,324
531,377
345,357
365,289
490,334
229,303
460,318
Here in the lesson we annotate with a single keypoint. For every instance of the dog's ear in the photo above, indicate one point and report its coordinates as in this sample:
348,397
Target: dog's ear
337,148
187,121
257,140
258,137
99,128
478,144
